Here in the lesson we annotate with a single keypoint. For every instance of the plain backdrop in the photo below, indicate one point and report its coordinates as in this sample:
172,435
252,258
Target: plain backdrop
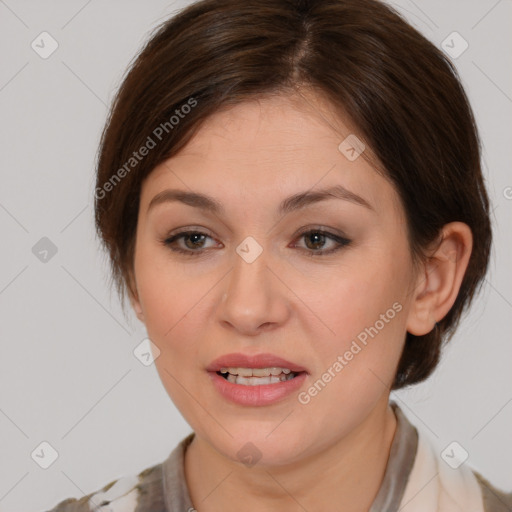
68,375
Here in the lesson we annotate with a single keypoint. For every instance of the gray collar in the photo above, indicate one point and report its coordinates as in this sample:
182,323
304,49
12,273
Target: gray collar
399,466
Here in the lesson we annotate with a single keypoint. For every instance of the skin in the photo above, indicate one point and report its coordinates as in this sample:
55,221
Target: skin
305,309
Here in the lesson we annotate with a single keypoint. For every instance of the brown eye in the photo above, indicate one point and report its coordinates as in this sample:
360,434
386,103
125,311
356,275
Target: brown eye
316,239
193,242
196,240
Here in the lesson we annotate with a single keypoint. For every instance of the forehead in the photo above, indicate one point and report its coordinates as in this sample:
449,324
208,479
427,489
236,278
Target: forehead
271,148
276,128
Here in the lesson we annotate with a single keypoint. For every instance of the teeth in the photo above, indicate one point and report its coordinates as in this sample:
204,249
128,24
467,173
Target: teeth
256,372
244,372
265,372
258,381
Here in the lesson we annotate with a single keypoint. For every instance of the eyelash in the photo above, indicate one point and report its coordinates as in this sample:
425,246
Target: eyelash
342,242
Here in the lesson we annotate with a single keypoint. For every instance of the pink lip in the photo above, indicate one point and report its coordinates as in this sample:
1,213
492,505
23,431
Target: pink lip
238,360
255,395
265,394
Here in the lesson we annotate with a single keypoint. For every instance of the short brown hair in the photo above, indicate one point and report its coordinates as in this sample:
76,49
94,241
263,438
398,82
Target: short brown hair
403,95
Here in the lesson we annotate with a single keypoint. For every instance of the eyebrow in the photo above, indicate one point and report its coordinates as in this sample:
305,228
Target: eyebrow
292,203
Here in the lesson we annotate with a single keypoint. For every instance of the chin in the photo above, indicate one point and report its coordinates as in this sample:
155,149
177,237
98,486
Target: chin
254,446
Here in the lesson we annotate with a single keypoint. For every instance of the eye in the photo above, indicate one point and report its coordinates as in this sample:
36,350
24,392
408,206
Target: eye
194,242
316,239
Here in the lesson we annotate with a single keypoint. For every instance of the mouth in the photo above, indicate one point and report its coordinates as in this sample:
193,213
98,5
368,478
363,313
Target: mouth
257,376
256,380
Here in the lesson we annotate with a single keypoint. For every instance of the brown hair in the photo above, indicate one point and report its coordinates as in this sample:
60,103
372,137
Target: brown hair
403,95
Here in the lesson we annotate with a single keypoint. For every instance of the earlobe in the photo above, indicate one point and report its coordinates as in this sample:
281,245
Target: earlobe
438,285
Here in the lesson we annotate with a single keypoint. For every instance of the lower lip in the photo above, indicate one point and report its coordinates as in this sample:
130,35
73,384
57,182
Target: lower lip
265,394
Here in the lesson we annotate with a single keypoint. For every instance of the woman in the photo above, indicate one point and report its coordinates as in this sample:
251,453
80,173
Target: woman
291,197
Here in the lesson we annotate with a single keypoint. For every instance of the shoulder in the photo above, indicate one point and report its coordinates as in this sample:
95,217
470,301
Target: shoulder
134,493
494,499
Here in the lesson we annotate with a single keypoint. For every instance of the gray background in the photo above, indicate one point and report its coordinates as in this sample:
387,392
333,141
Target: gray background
68,375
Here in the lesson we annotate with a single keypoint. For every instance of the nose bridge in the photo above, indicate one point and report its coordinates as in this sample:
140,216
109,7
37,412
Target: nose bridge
249,275
252,296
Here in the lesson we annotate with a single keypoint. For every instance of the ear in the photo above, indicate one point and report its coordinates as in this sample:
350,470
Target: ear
134,298
440,278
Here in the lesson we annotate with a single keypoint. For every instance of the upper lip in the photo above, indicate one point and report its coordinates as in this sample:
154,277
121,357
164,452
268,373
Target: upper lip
238,360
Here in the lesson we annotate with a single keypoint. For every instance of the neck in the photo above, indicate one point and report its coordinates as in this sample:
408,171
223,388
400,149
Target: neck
349,472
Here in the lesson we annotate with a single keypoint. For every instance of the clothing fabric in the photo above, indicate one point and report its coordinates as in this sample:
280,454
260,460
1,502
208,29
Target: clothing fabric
416,479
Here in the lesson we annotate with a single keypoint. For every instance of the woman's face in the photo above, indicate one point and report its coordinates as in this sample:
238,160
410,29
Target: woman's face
251,280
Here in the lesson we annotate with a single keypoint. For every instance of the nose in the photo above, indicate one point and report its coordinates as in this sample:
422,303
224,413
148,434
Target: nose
254,299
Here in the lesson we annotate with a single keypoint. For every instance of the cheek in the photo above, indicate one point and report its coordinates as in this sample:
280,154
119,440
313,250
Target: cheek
365,310
172,311
355,299
357,364
177,305
166,292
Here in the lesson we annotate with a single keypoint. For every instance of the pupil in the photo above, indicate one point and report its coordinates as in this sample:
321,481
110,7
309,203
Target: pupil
192,238
318,242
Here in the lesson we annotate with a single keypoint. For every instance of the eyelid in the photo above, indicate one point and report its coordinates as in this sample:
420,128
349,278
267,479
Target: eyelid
174,235
322,229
